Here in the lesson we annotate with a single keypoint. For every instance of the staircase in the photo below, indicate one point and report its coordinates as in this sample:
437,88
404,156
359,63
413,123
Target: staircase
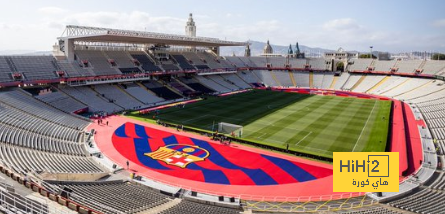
378,84
275,78
291,75
311,79
333,82
358,82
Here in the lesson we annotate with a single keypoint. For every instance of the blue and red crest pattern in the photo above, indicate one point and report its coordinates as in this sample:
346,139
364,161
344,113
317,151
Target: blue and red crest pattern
208,162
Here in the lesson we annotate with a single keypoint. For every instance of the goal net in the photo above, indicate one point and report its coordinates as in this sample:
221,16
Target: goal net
231,129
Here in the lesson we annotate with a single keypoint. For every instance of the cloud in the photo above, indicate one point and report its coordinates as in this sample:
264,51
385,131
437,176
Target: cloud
52,10
439,23
346,24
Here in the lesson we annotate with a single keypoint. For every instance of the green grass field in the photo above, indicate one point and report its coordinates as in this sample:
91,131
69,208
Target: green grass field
308,123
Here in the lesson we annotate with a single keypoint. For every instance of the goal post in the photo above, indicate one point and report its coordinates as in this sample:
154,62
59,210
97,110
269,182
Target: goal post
231,129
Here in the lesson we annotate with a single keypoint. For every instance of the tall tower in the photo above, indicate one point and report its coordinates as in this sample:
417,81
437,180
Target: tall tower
190,28
247,51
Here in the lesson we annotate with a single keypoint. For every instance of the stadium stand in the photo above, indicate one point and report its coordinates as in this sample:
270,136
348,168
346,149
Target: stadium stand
318,64
408,66
144,96
432,67
5,70
360,64
117,96
195,60
249,77
192,83
382,65
113,196
284,78
190,207
95,102
182,61
212,84
223,82
160,90
99,63
146,63
35,67
62,101
122,60
236,80
302,79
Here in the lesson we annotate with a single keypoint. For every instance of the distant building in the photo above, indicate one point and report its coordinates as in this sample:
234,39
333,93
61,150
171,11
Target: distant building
298,53
340,54
247,51
190,28
268,48
268,51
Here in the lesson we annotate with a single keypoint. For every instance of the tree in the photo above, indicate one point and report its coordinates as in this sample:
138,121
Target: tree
438,56
366,56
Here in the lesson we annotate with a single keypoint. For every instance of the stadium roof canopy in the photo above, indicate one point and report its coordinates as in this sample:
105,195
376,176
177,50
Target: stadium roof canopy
95,34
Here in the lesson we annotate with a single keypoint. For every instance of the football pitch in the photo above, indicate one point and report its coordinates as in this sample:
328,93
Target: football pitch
310,124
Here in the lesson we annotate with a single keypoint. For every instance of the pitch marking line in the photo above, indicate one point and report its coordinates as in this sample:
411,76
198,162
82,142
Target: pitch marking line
364,126
303,138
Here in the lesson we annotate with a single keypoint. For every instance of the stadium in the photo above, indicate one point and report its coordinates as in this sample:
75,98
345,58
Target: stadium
123,121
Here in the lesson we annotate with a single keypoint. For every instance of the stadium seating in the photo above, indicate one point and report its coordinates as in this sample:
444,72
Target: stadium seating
117,96
360,64
433,67
197,61
5,70
318,64
98,62
408,66
249,77
95,102
236,80
160,90
190,207
182,61
383,65
35,67
146,63
223,82
284,78
192,83
141,94
236,61
62,101
113,196
211,84
302,79
423,201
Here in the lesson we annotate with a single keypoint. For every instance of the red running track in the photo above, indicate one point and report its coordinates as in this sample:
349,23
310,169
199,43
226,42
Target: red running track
317,189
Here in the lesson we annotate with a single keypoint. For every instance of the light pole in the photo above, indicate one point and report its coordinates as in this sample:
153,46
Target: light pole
371,52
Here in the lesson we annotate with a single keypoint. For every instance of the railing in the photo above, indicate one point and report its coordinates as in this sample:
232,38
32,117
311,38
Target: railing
14,204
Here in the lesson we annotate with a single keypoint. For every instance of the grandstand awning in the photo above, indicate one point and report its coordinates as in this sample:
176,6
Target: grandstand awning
93,34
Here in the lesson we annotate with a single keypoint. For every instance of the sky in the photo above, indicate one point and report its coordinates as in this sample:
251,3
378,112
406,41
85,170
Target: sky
388,25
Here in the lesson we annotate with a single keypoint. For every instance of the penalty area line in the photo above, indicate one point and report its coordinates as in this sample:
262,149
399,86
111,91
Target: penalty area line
303,138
